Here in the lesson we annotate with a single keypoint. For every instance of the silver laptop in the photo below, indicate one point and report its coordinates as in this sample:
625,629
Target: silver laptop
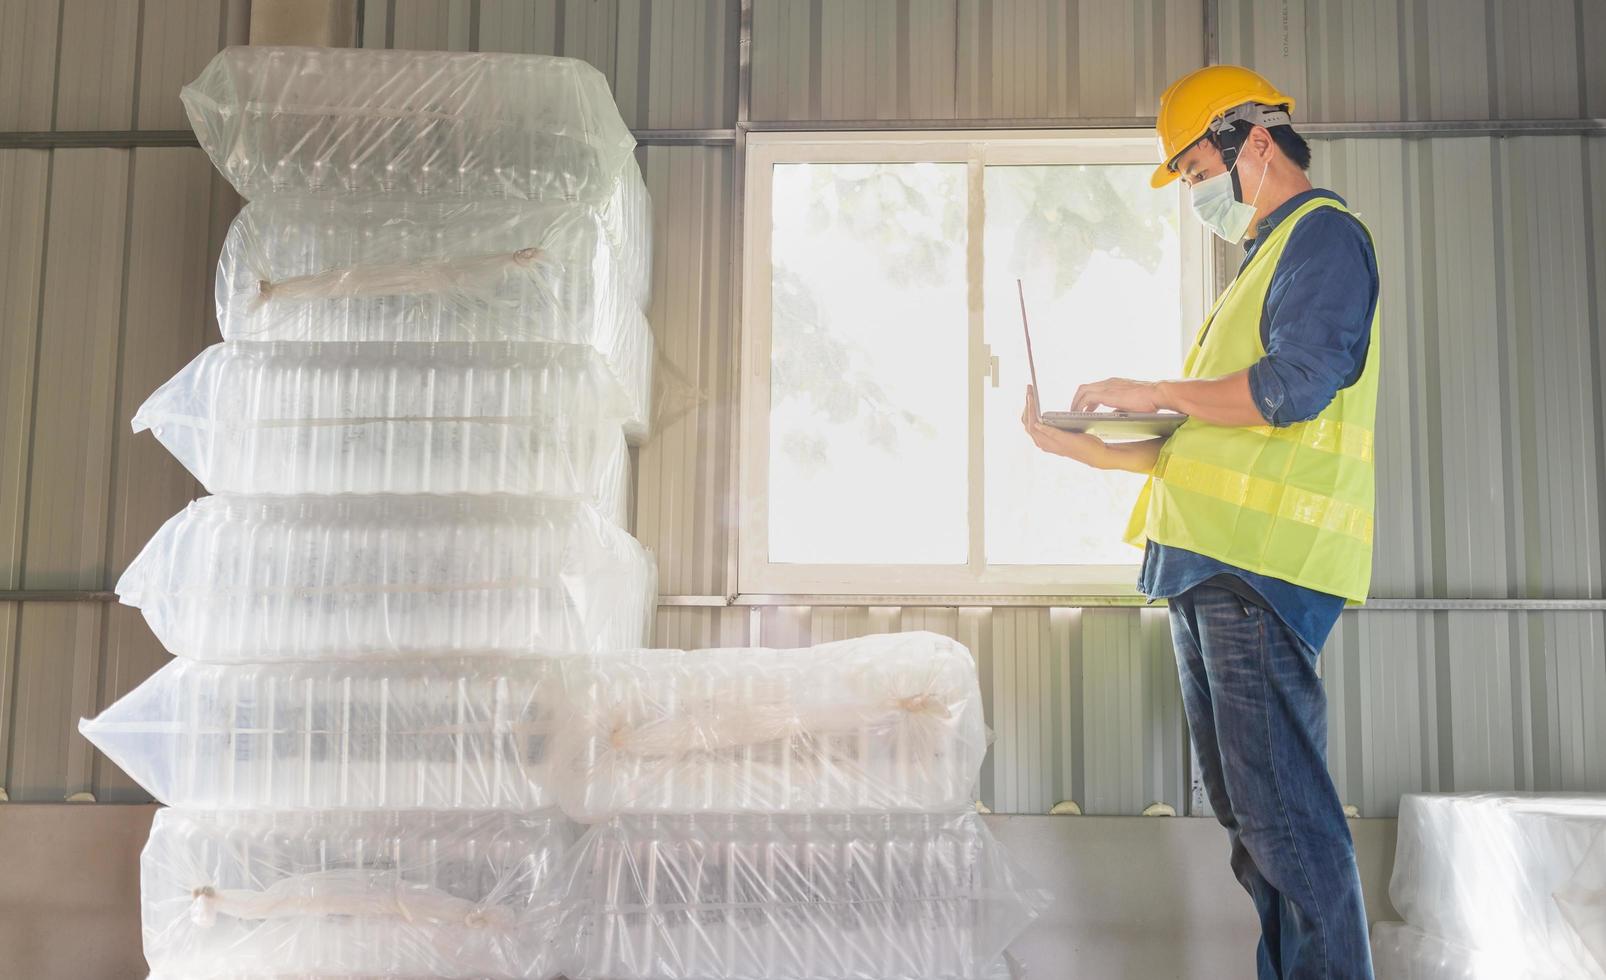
1109,426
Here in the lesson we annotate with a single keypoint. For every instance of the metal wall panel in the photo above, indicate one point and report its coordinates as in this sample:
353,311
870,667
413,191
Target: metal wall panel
686,483
677,64
672,63
1458,701
1073,58
24,186
168,316
1558,504
64,528
422,25
95,66
852,59
897,59
89,64
1491,425
1389,60
1083,704
1591,40
107,293
587,31
177,39
701,628
28,63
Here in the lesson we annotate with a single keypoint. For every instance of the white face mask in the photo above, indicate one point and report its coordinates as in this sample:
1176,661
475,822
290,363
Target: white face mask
1219,210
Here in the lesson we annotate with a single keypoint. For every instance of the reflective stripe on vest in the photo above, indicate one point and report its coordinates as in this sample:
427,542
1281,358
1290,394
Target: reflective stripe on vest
1293,502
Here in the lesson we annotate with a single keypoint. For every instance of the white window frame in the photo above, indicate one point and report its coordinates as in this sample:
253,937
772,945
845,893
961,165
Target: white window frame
756,574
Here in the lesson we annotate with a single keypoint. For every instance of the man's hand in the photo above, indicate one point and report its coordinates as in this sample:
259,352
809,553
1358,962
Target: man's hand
1073,445
1119,394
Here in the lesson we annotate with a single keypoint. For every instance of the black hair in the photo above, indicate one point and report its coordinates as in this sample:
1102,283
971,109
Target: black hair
1229,143
1291,143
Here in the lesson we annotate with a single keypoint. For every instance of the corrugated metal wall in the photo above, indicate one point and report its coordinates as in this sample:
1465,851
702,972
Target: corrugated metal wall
1389,60
1490,482
105,291
897,59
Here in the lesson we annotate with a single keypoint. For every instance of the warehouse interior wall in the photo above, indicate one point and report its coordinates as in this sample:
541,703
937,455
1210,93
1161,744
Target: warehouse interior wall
1481,668
111,231
1470,137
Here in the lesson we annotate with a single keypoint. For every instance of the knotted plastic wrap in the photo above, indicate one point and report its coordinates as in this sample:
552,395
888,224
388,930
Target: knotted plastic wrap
878,723
333,894
343,121
327,270
825,897
416,734
1521,879
300,418
237,578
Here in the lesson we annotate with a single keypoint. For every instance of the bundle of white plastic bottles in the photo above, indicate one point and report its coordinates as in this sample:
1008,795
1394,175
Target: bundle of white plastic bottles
409,623
1497,887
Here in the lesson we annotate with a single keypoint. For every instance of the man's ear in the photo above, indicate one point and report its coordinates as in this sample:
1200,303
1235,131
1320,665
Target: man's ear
1261,141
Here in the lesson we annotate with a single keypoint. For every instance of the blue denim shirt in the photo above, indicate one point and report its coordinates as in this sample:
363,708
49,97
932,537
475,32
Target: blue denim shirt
1315,327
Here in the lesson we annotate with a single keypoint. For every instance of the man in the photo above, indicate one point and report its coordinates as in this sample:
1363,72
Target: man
1256,519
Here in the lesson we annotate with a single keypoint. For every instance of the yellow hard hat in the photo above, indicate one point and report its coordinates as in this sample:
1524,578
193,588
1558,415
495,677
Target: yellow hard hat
1209,99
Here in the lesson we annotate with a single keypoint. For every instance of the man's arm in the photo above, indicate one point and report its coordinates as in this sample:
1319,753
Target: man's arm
1134,457
1319,316
1220,401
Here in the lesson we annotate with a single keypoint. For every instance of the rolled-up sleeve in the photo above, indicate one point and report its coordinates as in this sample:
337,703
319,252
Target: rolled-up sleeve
1318,318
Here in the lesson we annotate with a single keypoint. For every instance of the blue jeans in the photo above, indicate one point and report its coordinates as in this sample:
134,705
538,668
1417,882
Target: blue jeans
1258,716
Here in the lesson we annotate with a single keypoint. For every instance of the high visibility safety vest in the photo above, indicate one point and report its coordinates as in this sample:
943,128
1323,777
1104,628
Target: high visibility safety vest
1295,503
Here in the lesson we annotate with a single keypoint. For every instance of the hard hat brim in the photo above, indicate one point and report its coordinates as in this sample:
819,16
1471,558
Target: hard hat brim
1163,175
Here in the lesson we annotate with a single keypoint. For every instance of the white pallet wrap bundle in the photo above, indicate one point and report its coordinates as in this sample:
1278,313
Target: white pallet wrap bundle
342,122
413,894
248,579
434,349
396,622
784,814
429,196
436,269
870,725
303,269
1516,881
794,897
435,734
322,418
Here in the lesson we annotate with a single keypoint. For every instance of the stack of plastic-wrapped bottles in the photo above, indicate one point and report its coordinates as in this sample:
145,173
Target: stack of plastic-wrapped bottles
393,706
783,814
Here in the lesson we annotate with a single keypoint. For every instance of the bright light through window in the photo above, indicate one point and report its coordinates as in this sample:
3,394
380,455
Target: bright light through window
883,451
1097,252
868,411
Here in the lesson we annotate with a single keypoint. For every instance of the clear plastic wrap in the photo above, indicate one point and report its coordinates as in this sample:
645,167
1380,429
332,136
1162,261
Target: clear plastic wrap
298,268
342,121
1506,874
872,724
888,897
396,894
1404,952
316,270
1582,901
417,734
288,418
235,578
